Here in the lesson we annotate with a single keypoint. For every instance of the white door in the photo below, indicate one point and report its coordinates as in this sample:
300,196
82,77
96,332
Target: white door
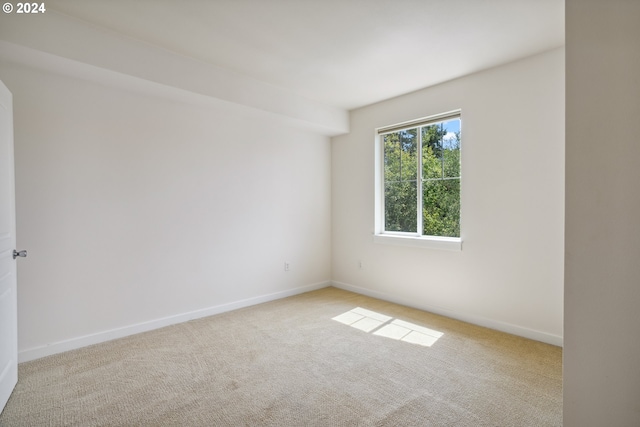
8,301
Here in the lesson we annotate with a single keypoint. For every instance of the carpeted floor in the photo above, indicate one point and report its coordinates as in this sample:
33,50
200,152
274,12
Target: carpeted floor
290,363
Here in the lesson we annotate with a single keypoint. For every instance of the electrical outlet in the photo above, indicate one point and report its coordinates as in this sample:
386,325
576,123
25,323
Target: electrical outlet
360,267
287,266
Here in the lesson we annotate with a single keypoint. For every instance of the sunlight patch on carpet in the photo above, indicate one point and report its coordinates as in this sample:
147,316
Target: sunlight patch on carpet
388,327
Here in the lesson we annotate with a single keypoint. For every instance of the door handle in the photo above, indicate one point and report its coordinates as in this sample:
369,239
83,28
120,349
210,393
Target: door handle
17,254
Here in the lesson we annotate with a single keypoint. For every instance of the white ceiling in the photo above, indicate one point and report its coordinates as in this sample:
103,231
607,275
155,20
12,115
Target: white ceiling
341,53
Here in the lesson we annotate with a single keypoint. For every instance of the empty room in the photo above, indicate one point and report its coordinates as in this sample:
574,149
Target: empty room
322,213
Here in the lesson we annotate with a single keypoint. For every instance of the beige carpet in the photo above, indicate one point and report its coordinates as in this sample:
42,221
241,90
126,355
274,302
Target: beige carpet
288,363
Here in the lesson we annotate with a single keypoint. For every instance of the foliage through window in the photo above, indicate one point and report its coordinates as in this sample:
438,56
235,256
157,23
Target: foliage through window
421,177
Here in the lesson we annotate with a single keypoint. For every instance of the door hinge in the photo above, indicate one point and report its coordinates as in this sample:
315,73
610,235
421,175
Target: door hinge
22,254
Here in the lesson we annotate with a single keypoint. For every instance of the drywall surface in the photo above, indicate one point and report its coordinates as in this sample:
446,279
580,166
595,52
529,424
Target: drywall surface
602,259
509,274
137,210
54,39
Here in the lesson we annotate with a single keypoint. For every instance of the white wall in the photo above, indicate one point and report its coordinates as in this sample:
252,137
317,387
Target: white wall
135,209
602,260
509,274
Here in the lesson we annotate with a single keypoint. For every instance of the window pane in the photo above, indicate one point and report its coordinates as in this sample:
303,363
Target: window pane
441,208
400,151
400,206
432,151
391,143
451,148
451,157
409,152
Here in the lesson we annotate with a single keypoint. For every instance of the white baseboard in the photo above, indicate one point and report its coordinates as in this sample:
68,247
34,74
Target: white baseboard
470,318
83,341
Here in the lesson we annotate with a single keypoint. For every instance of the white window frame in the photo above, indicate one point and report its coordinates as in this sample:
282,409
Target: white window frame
403,238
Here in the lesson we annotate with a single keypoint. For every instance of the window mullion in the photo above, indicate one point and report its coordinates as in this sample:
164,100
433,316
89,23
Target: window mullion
419,184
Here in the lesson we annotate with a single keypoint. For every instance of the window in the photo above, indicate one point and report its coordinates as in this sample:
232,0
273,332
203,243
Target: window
419,180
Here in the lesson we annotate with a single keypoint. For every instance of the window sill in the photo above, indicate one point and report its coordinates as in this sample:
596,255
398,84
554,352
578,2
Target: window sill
430,242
